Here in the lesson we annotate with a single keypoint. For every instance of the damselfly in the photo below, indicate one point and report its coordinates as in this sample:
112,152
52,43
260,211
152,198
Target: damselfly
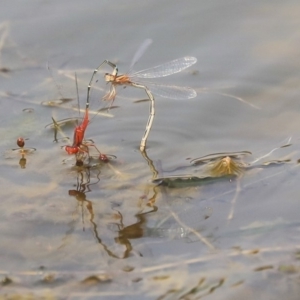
135,79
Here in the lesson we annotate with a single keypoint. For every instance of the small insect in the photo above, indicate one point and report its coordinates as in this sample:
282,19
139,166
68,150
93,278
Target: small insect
23,151
135,79
20,142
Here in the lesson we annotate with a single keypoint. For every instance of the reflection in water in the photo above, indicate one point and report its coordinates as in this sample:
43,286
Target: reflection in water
150,164
133,231
176,216
124,232
22,162
83,186
174,221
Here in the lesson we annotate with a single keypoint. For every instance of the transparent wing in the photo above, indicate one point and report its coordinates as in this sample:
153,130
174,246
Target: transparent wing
180,222
171,91
141,50
166,69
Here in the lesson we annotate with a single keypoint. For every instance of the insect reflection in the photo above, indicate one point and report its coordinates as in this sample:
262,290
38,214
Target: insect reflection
125,233
135,230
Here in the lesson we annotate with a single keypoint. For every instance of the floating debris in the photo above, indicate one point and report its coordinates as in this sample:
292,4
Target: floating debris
227,166
28,110
216,156
6,281
56,102
96,279
63,122
276,162
263,268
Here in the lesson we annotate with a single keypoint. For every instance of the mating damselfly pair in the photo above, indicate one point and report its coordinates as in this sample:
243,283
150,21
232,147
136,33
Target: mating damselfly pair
138,80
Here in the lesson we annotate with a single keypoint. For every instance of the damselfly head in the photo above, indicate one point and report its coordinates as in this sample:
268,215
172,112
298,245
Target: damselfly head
109,77
103,158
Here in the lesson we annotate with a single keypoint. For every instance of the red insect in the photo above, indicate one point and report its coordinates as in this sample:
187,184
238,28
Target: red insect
78,146
20,142
79,135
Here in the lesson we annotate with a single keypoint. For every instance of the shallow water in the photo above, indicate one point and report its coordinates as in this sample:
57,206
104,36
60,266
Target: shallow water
110,230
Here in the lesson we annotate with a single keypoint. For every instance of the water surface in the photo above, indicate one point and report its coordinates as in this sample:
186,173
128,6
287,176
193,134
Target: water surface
110,230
